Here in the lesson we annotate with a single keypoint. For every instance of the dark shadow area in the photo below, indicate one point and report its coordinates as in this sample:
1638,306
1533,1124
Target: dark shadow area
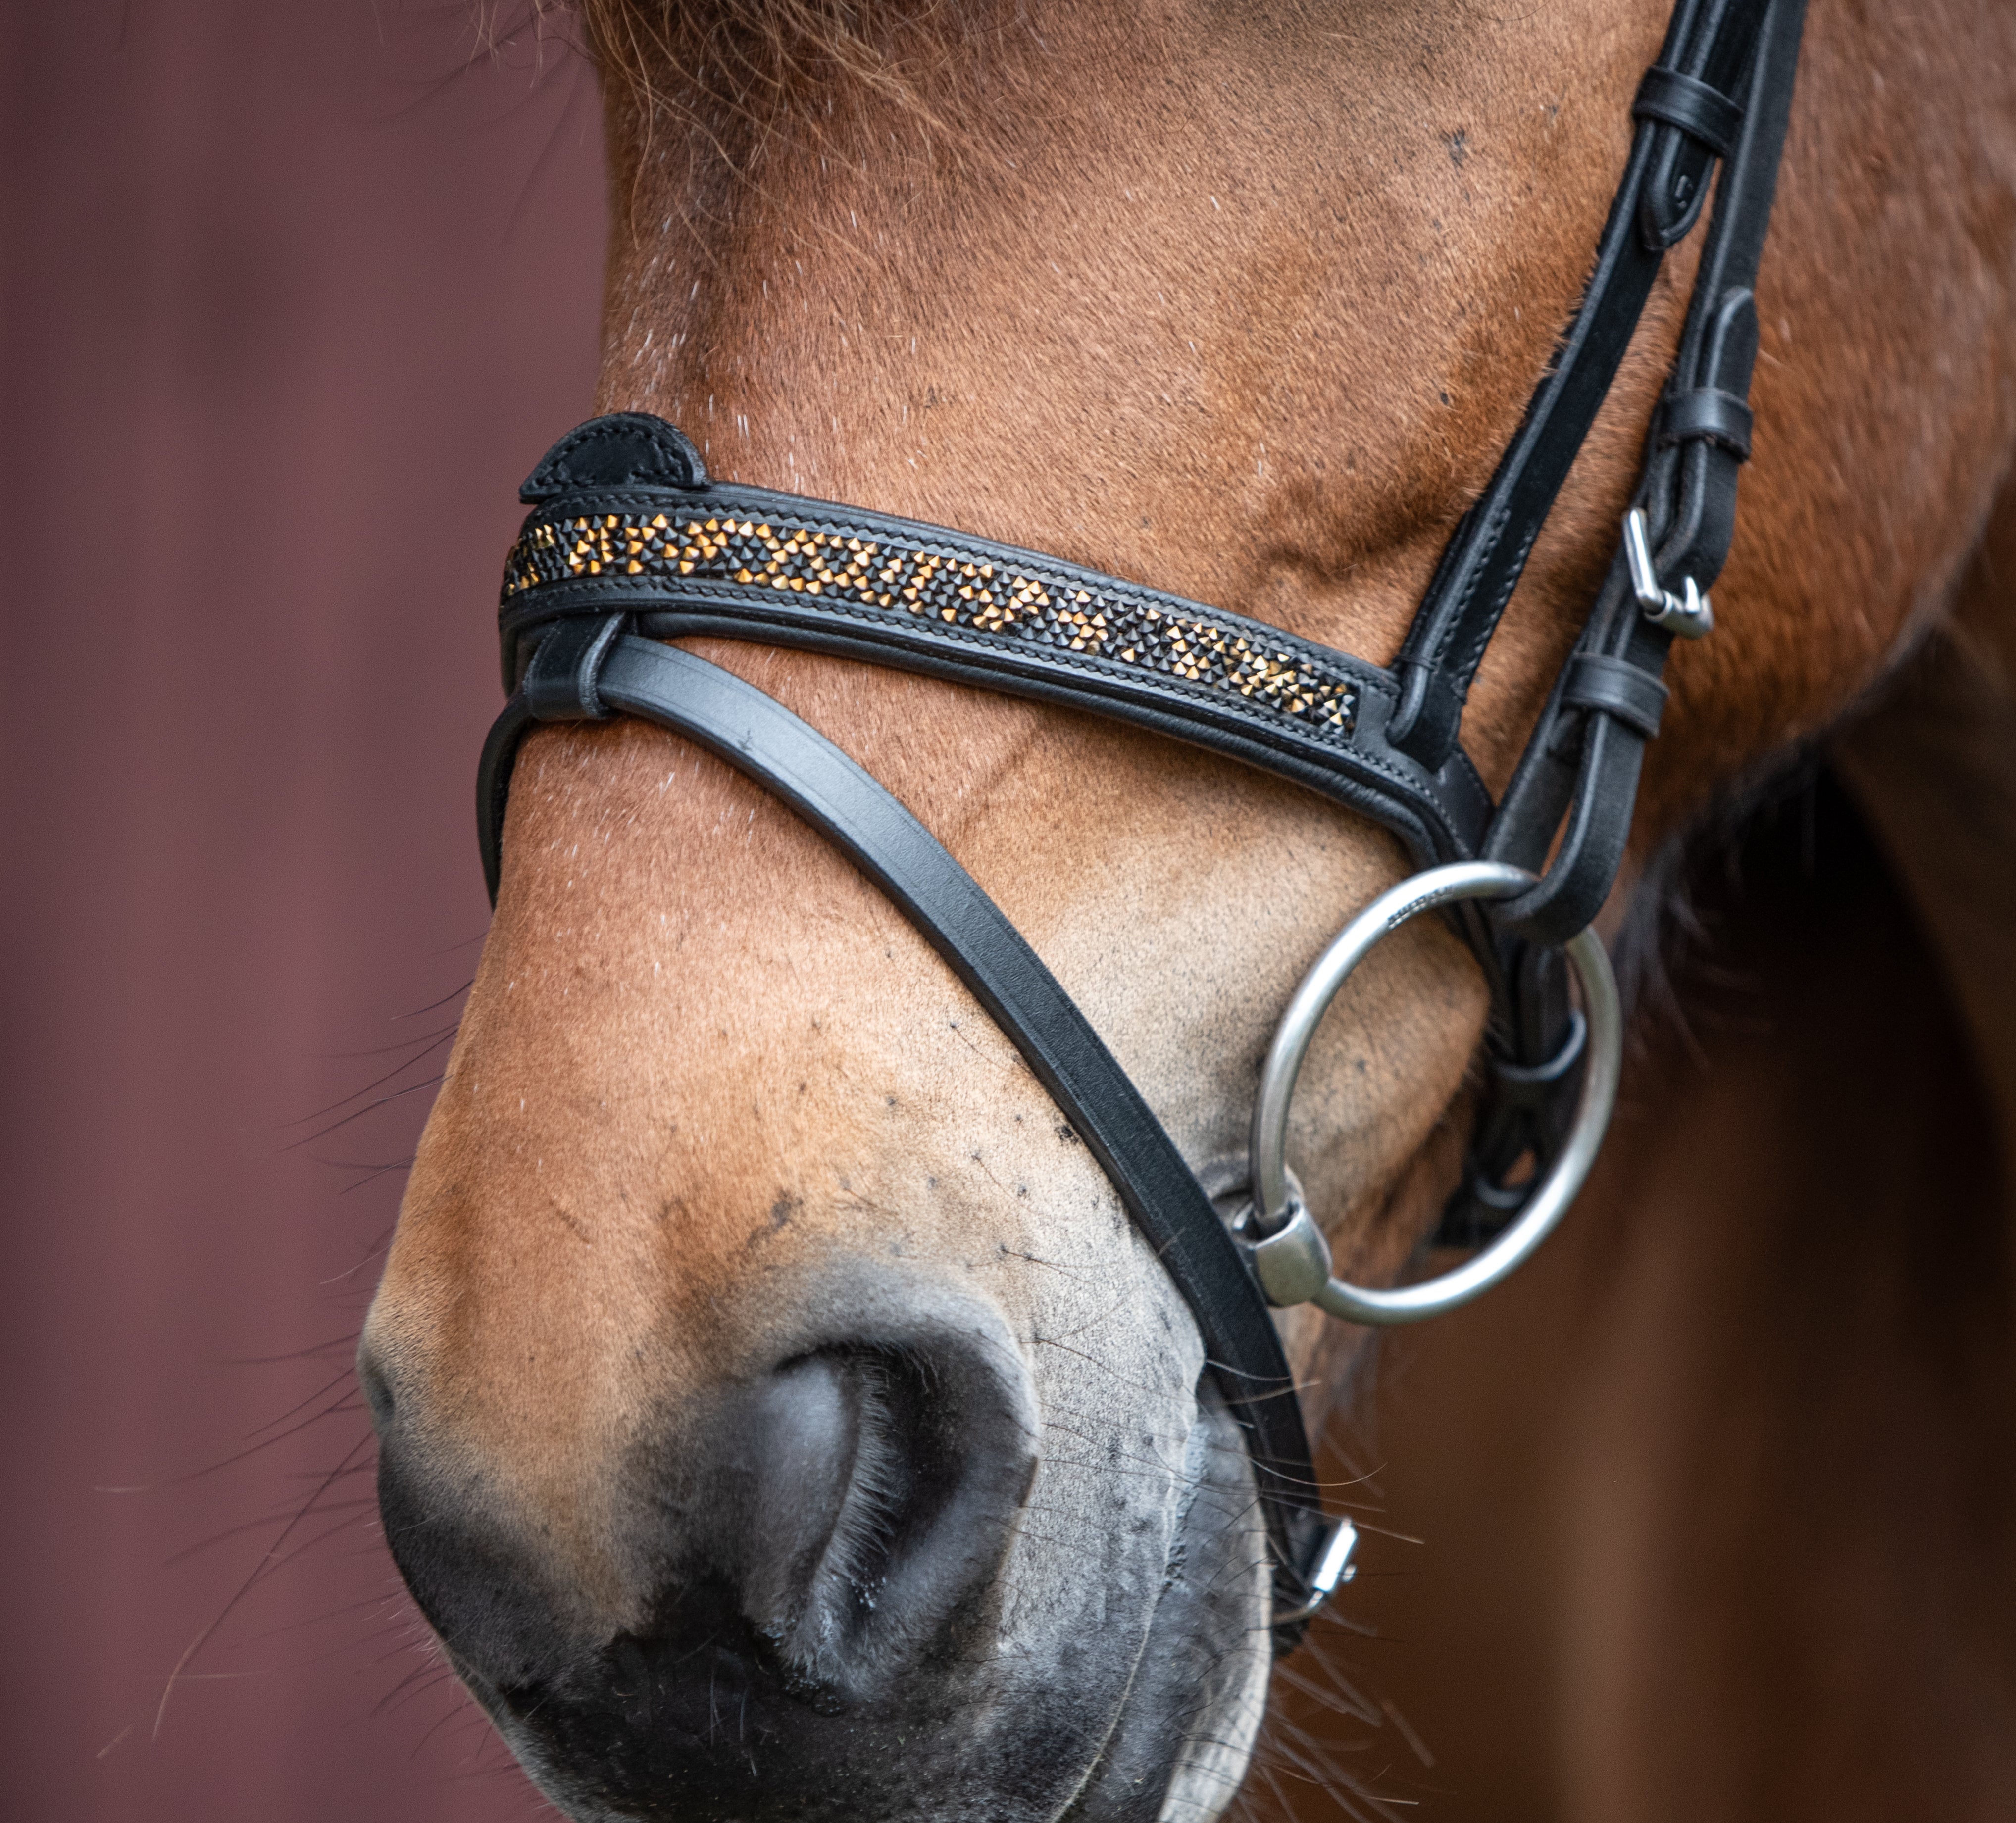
1703,1512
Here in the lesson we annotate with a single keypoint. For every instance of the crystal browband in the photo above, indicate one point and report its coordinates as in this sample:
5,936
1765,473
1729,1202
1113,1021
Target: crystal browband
747,563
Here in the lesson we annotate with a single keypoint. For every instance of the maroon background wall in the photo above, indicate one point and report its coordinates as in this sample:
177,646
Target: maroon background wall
294,293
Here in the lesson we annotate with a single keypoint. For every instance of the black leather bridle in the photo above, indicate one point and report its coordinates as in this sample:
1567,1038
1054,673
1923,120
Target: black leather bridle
628,543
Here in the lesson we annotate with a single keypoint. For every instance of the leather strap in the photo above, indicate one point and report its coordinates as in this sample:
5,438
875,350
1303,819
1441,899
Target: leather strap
1587,766
586,671
1711,43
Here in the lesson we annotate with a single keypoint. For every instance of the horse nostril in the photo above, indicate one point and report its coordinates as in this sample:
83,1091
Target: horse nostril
779,1561
886,1488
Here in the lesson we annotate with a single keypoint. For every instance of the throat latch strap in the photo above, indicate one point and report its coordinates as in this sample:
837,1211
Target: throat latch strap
1687,118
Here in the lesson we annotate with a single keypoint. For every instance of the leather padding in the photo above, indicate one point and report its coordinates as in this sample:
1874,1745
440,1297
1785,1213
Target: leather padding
1440,815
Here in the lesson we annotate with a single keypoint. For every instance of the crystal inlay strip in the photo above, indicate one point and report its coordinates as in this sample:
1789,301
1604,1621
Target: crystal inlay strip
935,584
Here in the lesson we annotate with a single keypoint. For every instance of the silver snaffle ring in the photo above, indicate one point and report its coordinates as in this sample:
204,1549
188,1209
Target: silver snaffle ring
1293,1260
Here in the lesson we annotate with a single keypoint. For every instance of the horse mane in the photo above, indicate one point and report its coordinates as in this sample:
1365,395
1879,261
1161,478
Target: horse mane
764,58
1671,926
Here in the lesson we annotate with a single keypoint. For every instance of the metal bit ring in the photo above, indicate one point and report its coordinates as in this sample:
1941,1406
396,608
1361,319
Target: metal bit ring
1298,1269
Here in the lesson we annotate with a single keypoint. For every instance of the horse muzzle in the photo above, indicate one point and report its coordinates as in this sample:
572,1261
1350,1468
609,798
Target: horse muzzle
790,1601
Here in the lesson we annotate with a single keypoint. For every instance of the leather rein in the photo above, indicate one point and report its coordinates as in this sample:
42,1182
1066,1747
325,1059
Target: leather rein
629,544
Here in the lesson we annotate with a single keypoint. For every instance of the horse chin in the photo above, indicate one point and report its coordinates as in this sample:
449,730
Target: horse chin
1200,1687
1196,1676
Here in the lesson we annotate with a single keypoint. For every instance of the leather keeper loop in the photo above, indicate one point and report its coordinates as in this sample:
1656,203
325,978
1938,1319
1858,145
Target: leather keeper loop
1530,1085
1707,412
1701,111
1613,686
560,683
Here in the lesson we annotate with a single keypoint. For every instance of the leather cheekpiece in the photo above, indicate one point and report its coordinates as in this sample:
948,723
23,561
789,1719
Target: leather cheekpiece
1709,47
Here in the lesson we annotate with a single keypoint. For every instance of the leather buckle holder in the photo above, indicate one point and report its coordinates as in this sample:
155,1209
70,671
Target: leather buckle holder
1531,1085
1614,686
1700,111
1705,413
1482,1207
561,681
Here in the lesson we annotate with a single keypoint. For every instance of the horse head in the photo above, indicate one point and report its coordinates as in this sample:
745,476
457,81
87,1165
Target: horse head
781,1414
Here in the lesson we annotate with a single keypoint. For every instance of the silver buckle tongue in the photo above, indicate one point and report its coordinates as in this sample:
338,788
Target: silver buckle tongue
1333,1569
1689,614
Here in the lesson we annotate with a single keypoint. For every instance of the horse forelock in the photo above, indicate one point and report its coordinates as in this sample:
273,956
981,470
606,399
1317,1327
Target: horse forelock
767,59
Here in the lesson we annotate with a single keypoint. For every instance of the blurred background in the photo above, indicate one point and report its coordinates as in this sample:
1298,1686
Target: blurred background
295,292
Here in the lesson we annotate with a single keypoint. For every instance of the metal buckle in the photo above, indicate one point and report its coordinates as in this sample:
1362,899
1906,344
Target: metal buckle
1290,1257
1333,1569
1688,615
